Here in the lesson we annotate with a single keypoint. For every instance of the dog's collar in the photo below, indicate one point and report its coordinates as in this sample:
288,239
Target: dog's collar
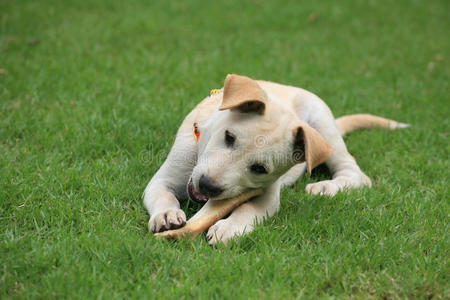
196,131
214,91
195,128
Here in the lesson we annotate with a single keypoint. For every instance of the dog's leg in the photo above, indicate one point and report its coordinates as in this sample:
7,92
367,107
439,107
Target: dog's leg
160,195
346,174
345,170
243,219
290,177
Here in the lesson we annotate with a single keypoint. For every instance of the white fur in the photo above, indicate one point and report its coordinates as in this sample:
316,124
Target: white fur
229,167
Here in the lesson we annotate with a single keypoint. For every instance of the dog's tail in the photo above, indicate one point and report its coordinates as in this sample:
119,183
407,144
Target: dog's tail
347,124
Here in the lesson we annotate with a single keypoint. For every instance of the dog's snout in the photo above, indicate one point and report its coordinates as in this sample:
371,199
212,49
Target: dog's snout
208,188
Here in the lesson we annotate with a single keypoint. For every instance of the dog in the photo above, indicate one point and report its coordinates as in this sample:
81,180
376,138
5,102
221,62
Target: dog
253,134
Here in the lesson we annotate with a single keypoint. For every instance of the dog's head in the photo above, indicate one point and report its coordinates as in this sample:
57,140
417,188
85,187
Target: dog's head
249,142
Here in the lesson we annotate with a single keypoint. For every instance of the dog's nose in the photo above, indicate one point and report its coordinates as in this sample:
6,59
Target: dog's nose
208,188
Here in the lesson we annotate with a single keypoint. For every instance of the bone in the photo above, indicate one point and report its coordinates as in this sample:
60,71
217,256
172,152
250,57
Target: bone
209,214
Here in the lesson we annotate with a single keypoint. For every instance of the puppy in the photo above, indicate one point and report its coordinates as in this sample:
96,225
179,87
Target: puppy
248,135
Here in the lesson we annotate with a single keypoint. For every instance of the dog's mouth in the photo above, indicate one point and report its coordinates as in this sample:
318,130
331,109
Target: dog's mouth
196,195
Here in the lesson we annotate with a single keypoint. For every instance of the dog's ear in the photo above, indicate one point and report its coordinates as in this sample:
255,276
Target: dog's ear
243,94
310,146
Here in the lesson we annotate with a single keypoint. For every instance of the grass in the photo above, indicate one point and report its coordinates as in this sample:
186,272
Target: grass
92,93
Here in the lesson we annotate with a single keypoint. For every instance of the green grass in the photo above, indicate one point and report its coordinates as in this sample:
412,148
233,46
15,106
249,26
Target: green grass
92,93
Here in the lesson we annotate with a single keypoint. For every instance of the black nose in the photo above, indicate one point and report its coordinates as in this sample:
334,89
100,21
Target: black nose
208,188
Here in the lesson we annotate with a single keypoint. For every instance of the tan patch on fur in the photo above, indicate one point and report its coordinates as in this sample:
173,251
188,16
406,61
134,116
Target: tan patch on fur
241,89
317,150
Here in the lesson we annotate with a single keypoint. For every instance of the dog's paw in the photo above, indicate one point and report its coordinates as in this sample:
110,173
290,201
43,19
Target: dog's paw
331,187
224,230
326,187
170,219
366,180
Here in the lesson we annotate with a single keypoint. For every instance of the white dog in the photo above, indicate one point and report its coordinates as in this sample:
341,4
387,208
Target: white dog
253,134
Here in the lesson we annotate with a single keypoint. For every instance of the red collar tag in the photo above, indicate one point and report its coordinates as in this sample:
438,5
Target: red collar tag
196,131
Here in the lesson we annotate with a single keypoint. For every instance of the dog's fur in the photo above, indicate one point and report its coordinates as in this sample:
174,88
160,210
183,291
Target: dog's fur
253,134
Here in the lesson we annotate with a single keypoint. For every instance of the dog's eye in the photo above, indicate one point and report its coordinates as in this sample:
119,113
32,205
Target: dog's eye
258,169
229,139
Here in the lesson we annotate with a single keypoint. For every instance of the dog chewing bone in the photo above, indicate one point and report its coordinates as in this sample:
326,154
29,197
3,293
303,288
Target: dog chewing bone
209,214
253,134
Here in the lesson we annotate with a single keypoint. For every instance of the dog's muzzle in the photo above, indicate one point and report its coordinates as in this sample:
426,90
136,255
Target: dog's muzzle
195,195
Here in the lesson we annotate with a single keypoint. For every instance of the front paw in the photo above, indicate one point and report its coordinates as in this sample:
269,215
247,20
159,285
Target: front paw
224,230
170,219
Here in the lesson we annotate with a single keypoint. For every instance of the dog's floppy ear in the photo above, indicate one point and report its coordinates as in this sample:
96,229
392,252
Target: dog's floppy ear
310,146
243,94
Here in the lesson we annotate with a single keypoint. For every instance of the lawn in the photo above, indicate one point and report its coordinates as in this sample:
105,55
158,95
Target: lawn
91,96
